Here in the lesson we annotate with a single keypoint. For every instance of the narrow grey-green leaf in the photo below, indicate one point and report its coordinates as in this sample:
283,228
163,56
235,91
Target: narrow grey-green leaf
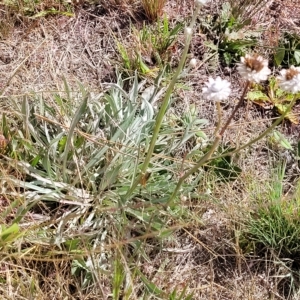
80,111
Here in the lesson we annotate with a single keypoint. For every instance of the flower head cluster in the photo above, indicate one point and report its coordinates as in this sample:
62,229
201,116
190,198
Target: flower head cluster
253,68
289,80
216,89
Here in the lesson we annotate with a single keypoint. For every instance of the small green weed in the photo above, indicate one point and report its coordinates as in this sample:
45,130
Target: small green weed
37,9
273,96
275,224
245,10
159,38
272,232
228,35
288,51
133,60
152,48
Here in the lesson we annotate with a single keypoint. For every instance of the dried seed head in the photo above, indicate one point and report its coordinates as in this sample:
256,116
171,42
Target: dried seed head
289,79
291,73
253,68
254,63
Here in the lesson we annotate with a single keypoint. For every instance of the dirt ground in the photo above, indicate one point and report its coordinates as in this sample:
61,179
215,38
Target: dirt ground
82,48
36,56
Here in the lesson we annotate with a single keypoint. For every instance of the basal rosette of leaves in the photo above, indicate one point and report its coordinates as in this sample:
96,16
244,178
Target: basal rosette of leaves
70,163
88,148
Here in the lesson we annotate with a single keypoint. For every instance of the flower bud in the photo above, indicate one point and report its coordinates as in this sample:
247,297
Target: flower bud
188,31
193,63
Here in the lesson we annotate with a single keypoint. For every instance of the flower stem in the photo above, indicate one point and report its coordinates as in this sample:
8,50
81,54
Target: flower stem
206,156
163,108
199,164
236,108
219,111
267,131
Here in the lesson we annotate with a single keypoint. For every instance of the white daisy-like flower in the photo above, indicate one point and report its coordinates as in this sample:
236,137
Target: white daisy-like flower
289,80
254,68
216,89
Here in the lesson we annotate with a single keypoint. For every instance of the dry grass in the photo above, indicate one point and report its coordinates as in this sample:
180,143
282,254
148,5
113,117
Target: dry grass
204,253
153,8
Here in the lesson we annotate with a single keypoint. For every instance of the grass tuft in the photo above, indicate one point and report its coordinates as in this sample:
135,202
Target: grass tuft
153,8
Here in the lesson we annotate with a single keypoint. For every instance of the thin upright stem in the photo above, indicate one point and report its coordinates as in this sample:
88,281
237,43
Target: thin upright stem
236,108
199,164
219,112
267,131
206,157
163,108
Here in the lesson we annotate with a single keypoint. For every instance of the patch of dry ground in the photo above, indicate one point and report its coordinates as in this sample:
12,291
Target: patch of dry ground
42,53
